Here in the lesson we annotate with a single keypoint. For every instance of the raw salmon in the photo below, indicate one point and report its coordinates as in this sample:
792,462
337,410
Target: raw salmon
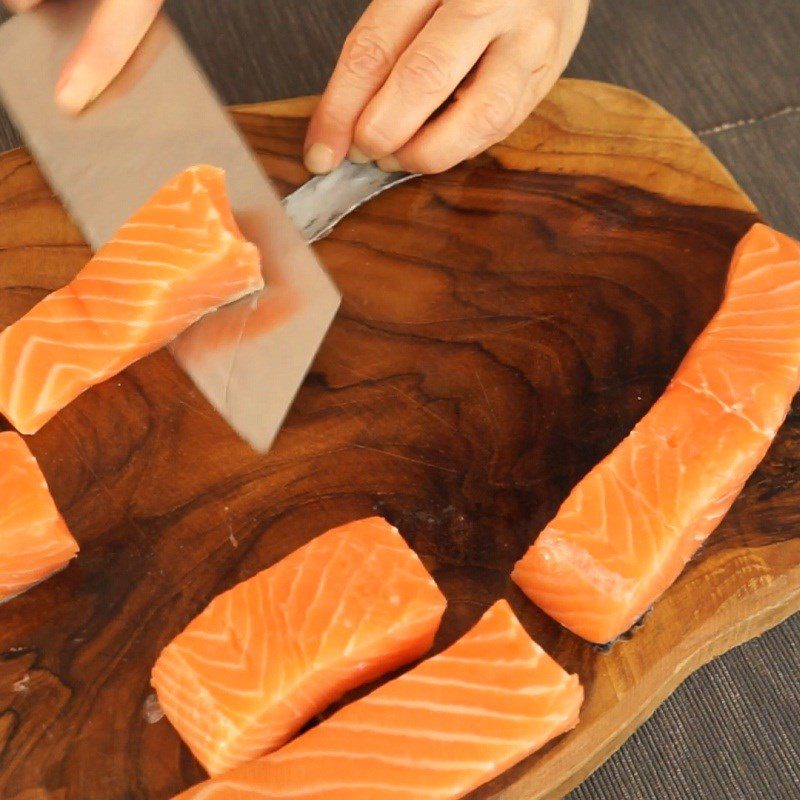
439,731
628,528
179,257
34,539
274,651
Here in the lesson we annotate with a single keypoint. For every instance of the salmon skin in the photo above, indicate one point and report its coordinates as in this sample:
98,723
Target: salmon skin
34,540
441,730
274,651
628,528
179,257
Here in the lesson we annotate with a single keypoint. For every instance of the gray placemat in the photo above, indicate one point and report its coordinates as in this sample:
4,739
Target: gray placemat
732,730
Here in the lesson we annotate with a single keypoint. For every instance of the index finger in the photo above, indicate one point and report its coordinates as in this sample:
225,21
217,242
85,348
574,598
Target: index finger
426,74
369,53
18,6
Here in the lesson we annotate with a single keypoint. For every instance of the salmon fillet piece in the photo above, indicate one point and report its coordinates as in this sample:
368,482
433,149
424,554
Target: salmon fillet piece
628,528
441,730
274,651
177,258
34,540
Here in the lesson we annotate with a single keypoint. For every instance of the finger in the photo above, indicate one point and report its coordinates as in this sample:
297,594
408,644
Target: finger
18,6
510,80
424,77
369,54
113,34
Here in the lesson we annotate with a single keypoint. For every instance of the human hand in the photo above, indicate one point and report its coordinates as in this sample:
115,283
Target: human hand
113,35
403,61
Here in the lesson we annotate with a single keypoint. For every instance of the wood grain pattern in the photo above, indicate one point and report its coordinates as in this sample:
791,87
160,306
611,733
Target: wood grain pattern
503,327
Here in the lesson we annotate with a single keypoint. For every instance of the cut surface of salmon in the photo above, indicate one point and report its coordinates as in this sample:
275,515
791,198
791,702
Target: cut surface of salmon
274,651
628,528
441,730
177,258
34,539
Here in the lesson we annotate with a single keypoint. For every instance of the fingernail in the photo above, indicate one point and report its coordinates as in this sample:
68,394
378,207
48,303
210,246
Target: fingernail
389,164
357,156
319,159
75,91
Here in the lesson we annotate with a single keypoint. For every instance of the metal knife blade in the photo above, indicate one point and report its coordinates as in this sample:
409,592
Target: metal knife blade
159,117
234,353
321,203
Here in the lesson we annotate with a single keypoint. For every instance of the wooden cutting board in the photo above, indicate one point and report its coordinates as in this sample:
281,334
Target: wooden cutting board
503,327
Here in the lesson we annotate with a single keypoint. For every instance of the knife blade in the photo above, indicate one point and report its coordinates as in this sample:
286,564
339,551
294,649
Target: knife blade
322,202
233,353
159,117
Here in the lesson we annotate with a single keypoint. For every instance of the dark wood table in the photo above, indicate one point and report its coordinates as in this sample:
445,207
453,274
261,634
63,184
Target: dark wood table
731,70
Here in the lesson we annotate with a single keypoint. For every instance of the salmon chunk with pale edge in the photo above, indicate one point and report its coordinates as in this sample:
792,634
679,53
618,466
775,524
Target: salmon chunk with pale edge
441,730
34,540
177,258
628,528
274,651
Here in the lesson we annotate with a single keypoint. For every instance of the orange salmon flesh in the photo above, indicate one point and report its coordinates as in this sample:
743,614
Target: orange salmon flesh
34,540
177,258
274,651
628,528
441,730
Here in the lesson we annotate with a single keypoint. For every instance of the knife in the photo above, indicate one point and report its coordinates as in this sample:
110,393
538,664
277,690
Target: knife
157,118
